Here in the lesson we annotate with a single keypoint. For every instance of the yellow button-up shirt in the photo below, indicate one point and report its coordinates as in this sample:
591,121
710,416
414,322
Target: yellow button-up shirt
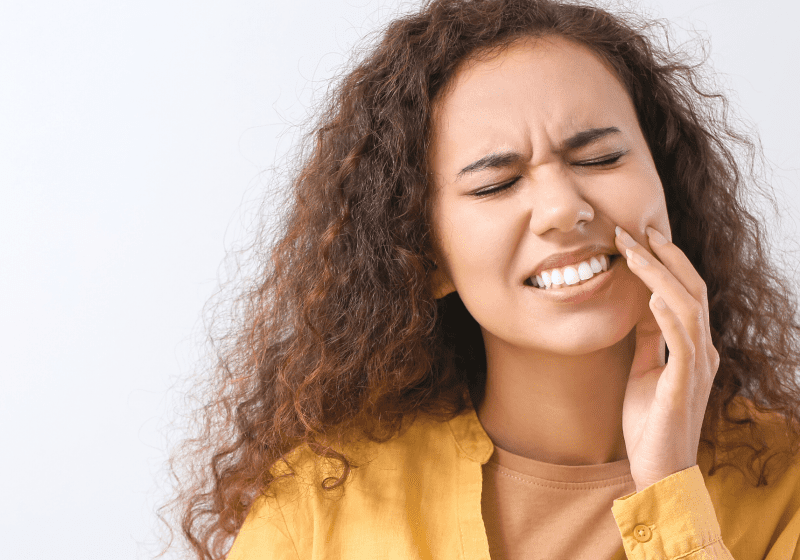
418,497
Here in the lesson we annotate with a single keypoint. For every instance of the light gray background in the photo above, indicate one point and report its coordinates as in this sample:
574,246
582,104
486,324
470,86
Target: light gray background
132,134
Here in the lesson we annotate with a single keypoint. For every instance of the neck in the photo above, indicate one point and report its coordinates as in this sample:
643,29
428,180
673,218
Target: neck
565,410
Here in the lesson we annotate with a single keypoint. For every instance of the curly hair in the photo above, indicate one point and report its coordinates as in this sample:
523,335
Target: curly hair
338,335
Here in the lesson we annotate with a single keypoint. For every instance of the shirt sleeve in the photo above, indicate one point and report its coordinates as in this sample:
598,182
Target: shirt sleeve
671,519
264,535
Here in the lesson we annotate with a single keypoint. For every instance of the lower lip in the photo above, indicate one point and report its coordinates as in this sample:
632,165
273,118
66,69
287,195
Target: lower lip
580,292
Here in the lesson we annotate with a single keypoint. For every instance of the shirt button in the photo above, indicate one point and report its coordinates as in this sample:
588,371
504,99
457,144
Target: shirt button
642,533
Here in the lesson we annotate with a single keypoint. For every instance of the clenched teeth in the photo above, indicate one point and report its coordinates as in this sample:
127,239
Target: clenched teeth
572,274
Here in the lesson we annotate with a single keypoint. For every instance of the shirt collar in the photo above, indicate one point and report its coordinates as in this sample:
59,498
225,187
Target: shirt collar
470,436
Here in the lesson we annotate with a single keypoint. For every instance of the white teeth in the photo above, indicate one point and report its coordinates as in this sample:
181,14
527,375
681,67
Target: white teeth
573,274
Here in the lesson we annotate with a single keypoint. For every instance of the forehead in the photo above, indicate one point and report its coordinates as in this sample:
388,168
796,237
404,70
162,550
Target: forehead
545,87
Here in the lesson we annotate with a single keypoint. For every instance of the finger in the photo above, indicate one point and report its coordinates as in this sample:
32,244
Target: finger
658,278
685,272
650,346
674,391
678,263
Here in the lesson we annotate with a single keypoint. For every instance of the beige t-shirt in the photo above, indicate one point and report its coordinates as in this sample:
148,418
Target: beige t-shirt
540,511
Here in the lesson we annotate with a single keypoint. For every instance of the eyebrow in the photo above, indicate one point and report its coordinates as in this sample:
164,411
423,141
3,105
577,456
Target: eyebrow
505,159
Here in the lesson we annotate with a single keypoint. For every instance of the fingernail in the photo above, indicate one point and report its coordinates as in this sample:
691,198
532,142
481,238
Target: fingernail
655,237
626,239
635,257
658,301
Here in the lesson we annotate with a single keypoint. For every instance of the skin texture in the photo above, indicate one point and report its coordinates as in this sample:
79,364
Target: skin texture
557,374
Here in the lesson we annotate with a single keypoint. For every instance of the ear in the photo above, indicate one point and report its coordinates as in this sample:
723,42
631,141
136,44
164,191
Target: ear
441,283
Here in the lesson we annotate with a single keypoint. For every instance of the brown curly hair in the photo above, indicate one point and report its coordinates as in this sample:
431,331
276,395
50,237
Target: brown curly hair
338,333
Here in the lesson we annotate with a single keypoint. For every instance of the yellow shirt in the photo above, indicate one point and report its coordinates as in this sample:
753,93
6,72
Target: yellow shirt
418,496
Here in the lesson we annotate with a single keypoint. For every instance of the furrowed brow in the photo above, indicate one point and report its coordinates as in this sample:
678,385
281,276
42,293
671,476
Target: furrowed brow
586,137
492,161
505,159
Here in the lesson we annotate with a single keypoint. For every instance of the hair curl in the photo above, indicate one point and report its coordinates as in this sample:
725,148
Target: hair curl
338,333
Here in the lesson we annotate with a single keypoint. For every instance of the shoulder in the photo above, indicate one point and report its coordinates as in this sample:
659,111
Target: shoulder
425,449
391,481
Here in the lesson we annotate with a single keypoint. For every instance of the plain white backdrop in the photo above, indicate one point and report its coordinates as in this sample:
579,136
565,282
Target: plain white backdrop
133,135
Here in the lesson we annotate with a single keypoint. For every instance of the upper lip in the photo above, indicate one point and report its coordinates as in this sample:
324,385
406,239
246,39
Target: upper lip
558,260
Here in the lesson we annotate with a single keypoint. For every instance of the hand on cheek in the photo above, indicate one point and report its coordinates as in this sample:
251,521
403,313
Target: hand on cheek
664,405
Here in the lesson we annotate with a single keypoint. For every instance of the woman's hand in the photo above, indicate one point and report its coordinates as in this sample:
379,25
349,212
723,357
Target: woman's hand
664,405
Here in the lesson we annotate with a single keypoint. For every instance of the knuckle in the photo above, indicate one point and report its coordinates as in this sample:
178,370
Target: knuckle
701,289
696,310
714,357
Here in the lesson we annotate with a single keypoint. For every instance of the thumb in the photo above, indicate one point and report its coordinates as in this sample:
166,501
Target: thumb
650,350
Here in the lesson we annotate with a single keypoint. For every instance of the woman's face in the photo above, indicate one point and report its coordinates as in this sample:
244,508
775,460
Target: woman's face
563,130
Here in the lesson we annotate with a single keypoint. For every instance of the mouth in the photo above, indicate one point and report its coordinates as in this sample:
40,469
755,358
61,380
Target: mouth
612,260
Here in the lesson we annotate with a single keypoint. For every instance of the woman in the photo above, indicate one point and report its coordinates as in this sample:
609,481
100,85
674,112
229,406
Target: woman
517,311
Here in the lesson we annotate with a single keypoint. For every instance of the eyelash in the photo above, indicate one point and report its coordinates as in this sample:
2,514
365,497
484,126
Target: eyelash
613,158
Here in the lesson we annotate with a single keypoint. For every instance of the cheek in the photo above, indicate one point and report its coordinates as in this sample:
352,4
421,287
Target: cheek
654,212
637,200
476,244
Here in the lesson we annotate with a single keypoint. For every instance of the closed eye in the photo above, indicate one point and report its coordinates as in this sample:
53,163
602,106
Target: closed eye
600,162
498,188
606,160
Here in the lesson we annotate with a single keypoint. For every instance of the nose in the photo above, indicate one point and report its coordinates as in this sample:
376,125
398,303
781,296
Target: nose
557,201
